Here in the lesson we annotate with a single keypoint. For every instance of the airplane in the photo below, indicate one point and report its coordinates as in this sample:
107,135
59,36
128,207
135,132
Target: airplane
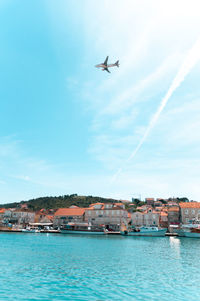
105,65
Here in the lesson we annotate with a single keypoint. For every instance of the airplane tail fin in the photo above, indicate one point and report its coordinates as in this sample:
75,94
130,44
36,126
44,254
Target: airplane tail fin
117,63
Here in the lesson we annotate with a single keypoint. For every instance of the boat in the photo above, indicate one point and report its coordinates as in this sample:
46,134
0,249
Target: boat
111,232
144,231
193,232
82,228
30,230
189,230
49,231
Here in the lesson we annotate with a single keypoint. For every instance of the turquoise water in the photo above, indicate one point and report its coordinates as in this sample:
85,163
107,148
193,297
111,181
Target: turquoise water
69,267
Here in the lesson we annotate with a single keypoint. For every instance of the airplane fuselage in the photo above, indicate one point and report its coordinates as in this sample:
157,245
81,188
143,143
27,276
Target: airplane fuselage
105,66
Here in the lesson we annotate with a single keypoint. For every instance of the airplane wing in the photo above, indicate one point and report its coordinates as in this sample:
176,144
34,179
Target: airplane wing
107,70
106,61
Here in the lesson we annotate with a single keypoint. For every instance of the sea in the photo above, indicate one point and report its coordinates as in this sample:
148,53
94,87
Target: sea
45,267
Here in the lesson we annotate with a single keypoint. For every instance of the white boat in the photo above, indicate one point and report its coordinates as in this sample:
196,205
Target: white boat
144,231
29,230
192,232
82,228
189,230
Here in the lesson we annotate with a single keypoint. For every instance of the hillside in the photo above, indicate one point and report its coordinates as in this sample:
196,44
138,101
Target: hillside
54,202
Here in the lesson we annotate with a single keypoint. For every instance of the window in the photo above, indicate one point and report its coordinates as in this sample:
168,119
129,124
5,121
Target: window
186,211
193,211
89,212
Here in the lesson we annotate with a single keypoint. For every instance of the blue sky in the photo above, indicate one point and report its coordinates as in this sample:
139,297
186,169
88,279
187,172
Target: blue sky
67,127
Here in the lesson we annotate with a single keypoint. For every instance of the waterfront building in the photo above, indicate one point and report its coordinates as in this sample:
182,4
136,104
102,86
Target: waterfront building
44,218
163,219
2,211
151,217
110,214
22,216
65,215
137,218
17,216
174,215
190,211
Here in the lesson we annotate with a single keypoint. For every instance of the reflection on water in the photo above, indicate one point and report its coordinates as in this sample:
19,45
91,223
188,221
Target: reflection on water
175,245
69,267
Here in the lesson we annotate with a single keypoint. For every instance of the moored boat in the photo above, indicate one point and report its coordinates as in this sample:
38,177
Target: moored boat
82,228
193,231
189,230
144,231
111,232
29,230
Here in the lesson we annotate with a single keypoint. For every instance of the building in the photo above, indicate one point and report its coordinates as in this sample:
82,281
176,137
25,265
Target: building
142,208
65,215
2,211
190,212
174,215
163,219
150,217
111,215
158,203
149,201
22,216
18,216
137,218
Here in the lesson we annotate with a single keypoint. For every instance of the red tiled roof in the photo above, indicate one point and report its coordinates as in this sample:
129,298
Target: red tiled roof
118,204
163,213
190,205
69,211
2,210
50,217
124,201
158,208
173,209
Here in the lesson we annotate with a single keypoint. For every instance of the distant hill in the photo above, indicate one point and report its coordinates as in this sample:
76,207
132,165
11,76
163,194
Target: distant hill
54,202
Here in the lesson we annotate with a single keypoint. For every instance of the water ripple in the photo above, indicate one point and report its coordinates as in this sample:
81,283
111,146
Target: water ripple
67,267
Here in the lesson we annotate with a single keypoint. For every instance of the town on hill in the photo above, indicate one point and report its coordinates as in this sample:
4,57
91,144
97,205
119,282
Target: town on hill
59,211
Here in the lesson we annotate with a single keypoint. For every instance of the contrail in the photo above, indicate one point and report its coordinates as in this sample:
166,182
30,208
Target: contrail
191,59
